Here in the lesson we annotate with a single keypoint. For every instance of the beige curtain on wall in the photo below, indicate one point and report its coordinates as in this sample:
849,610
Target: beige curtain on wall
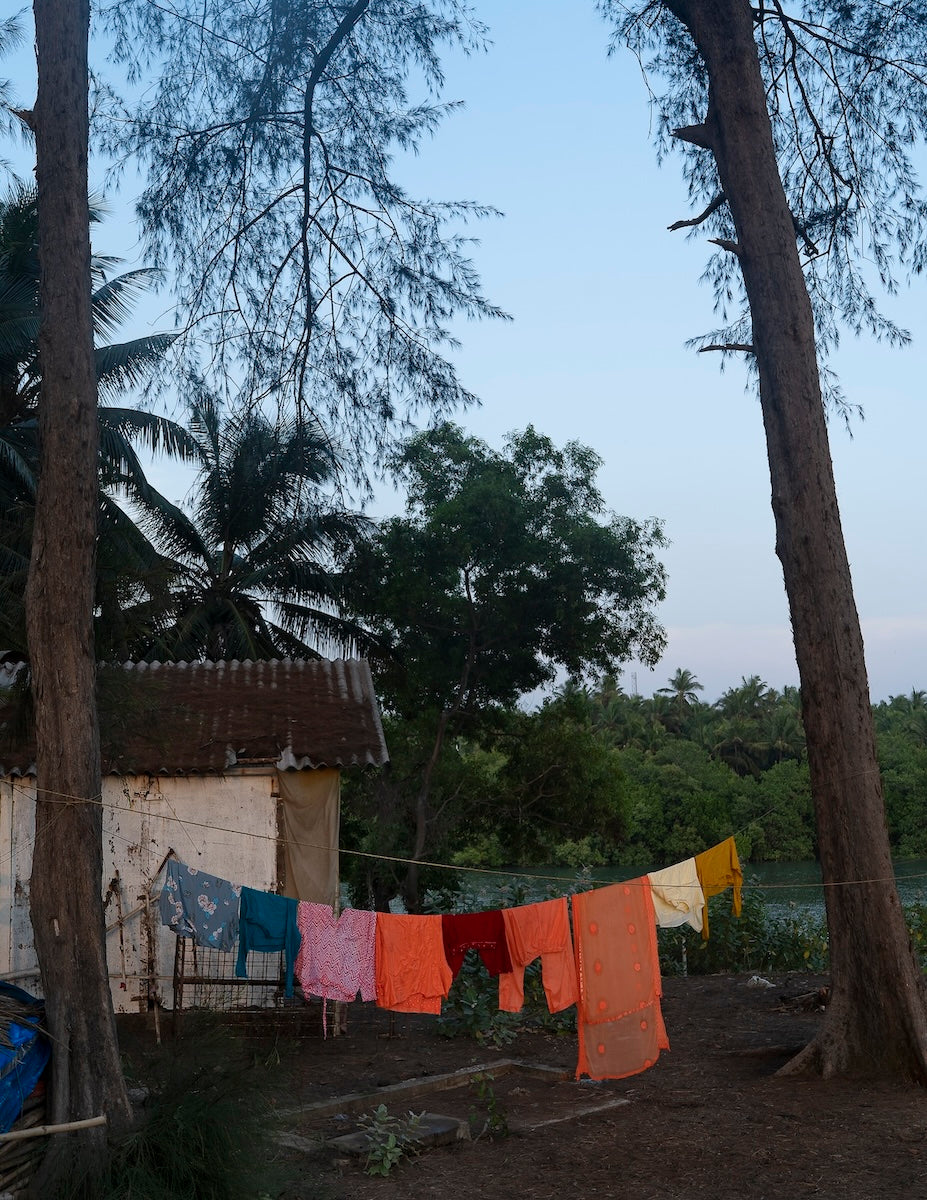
311,802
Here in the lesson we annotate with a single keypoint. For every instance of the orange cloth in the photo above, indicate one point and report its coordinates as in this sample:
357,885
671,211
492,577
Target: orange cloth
411,970
530,930
719,868
618,1019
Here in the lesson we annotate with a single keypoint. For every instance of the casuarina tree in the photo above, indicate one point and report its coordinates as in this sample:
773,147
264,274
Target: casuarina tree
800,124
66,889
273,191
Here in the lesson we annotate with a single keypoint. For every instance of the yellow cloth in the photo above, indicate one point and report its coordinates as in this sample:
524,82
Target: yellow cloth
719,868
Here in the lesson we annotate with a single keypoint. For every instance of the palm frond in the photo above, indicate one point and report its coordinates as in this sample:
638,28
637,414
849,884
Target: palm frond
156,433
124,365
114,300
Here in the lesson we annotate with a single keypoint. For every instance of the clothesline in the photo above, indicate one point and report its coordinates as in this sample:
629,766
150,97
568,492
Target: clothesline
608,967
64,798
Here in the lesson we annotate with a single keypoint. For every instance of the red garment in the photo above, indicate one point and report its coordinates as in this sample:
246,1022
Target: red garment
618,1018
483,932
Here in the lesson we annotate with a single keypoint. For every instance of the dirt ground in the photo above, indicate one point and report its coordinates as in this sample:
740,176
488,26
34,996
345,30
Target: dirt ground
710,1120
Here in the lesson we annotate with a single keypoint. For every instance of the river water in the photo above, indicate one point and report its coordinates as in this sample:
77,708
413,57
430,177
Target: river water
786,886
798,884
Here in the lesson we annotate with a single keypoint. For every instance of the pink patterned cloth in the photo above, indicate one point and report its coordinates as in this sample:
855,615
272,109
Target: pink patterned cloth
337,956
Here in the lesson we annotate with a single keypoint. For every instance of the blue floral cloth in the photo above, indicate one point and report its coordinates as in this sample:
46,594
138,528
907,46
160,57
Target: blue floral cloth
200,906
268,923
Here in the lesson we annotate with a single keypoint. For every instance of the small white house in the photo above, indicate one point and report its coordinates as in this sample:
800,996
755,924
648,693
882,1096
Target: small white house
234,767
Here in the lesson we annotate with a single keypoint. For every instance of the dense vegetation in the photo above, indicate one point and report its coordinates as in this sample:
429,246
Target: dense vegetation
595,777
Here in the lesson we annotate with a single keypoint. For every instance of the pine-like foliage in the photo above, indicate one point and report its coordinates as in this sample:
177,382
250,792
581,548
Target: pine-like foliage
847,98
270,131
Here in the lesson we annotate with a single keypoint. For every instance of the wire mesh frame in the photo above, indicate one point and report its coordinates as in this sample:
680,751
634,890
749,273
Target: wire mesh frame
205,979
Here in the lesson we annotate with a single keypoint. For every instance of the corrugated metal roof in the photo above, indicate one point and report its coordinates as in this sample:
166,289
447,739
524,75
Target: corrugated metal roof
181,718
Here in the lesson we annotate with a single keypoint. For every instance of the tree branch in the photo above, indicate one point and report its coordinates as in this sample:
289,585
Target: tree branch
744,346
347,23
698,135
703,216
26,115
727,244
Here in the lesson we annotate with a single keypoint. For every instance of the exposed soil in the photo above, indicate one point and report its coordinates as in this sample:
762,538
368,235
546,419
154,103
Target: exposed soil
710,1120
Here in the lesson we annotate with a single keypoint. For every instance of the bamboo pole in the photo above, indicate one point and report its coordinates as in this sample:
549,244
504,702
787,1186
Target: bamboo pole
42,1130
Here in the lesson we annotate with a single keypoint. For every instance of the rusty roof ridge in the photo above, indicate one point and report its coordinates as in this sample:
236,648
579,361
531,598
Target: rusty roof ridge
131,664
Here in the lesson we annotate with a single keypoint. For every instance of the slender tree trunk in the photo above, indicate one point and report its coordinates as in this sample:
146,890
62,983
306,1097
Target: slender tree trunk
66,889
876,1021
410,886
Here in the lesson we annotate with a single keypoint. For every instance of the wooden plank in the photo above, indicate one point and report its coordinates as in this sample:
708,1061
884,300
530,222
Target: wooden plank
409,1089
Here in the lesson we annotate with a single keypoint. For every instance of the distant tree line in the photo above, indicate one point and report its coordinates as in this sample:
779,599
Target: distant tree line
597,777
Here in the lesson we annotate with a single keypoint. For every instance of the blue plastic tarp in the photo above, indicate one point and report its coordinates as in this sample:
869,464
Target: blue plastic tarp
23,1061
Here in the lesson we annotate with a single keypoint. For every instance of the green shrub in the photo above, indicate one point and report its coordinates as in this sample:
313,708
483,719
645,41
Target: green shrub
757,940
389,1138
198,1139
472,1008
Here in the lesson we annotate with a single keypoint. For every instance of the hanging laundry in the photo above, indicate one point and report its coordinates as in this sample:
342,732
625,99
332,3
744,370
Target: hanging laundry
412,970
483,932
204,907
311,806
337,955
718,869
677,896
618,1018
539,929
267,923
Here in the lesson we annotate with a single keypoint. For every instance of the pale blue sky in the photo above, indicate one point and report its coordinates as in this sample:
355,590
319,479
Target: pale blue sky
556,135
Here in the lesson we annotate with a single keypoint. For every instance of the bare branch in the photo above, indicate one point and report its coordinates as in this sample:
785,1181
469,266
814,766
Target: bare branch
703,216
728,346
698,135
727,244
26,115
345,26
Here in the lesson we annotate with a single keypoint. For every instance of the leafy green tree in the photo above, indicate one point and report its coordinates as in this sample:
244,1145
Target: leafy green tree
378,821
560,797
299,258
254,567
682,801
903,758
505,569
801,126
782,824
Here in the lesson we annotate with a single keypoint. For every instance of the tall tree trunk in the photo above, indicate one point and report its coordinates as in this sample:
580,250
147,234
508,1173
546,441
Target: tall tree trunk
66,890
877,1020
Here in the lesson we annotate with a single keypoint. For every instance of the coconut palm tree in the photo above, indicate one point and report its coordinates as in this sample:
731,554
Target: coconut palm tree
255,560
682,688
120,366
